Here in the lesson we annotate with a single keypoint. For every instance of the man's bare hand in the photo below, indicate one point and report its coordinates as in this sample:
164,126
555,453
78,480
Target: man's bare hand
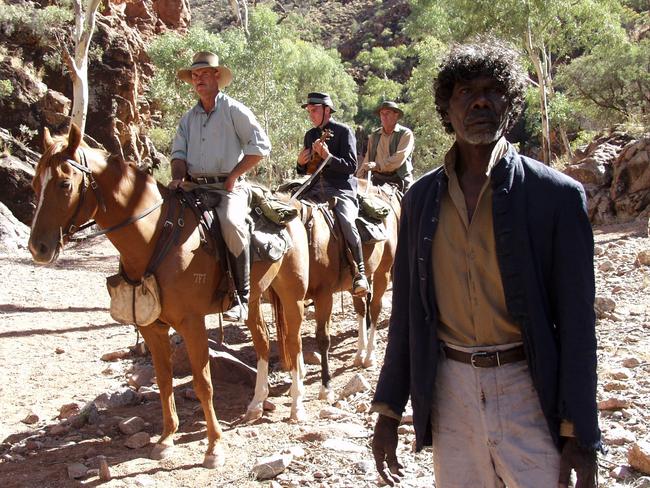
229,184
384,449
320,148
174,184
583,461
304,157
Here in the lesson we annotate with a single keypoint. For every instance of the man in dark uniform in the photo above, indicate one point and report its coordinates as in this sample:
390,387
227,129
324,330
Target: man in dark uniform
337,178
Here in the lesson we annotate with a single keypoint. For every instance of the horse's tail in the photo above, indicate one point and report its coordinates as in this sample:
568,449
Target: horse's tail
281,327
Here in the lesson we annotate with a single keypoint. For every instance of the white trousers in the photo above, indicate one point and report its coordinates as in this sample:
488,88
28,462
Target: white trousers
488,428
232,211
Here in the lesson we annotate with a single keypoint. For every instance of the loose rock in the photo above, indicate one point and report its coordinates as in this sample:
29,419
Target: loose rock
138,440
639,456
271,466
357,384
613,404
76,471
104,470
115,355
31,418
131,425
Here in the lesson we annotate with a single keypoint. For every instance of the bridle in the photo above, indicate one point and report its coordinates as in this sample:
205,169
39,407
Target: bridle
88,181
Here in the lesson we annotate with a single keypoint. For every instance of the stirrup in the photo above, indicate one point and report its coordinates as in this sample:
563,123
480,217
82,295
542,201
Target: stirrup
360,286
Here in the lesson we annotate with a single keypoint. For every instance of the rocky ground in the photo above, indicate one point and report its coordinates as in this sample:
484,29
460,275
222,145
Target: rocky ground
76,395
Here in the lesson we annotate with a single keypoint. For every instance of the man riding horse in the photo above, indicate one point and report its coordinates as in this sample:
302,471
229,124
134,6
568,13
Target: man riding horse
216,143
336,177
390,149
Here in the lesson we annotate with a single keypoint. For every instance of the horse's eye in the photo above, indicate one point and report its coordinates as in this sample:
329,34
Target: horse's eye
66,185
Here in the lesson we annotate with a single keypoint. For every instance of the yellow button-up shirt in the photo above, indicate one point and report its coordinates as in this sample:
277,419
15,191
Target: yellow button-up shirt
469,293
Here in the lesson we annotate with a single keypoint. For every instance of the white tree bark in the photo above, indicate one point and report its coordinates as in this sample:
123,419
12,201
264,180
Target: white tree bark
240,10
84,27
542,80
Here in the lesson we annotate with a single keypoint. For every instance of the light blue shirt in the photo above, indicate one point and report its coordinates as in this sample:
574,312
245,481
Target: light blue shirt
213,143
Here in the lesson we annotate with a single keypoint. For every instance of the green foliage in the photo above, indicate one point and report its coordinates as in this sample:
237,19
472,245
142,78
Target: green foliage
548,31
431,141
374,91
6,88
613,81
383,61
39,22
562,113
273,70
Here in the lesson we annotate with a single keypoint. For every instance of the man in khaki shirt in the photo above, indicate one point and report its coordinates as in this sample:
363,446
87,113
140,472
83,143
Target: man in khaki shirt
492,331
390,149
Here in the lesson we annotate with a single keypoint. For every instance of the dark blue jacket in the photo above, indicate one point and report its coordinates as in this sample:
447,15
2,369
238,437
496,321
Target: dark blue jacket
339,172
544,246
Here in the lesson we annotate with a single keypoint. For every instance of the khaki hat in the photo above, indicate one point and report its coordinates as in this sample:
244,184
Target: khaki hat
317,98
206,59
391,106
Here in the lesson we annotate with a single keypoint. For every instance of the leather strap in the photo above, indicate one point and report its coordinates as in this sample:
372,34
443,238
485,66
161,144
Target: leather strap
485,359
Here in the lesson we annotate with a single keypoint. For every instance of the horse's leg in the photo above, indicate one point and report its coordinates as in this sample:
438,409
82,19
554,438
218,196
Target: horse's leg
260,334
379,287
196,341
290,314
362,336
323,311
156,336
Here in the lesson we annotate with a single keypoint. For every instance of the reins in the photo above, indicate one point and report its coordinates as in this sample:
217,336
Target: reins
88,174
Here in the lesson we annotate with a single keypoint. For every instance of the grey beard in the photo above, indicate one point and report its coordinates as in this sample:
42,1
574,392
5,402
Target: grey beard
489,136
483,138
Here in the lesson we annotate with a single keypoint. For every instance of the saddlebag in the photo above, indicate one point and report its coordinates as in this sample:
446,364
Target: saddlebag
134,302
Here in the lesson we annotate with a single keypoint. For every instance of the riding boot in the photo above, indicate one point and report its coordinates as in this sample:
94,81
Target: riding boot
240,267
360,286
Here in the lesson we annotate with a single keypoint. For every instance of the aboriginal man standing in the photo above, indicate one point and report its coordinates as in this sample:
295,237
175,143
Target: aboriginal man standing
492,332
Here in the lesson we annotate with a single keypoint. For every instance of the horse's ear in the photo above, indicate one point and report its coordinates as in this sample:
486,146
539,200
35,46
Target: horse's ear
47,139
74,138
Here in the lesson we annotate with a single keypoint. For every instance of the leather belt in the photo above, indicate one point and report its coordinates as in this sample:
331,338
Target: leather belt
486,359
208,180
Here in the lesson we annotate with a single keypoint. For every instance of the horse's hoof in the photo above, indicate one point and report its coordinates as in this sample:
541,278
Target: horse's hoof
369,362
253,414
162,451
298,414
326,394
359,360
212,461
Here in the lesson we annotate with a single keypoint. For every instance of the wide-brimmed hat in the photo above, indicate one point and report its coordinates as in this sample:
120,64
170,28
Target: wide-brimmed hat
391,106
316,98
206,59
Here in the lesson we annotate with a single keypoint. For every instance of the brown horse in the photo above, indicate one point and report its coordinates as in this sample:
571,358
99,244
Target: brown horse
329,274
188,275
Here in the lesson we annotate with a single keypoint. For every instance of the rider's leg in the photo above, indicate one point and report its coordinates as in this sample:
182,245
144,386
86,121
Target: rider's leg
232,212
347,211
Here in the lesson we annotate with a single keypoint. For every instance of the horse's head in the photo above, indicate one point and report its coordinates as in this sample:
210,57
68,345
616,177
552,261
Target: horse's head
60,182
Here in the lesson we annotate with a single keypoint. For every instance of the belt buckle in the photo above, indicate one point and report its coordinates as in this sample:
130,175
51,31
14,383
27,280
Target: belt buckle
482,354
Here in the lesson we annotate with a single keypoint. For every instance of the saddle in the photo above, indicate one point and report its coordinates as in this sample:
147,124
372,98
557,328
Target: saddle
370,222
268,240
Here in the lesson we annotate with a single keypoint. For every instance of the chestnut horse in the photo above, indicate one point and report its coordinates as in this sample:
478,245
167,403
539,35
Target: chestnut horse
329,274
188,275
